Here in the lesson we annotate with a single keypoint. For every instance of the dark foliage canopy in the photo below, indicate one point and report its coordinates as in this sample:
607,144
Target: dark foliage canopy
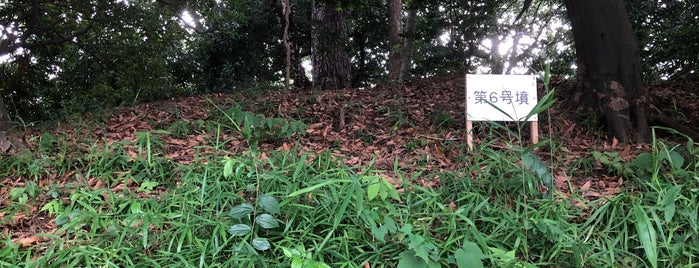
74,56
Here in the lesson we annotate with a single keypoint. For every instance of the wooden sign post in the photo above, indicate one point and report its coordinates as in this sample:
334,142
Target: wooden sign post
500,98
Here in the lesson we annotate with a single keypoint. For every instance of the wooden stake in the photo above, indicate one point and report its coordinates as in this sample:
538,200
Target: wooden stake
469,135
535,132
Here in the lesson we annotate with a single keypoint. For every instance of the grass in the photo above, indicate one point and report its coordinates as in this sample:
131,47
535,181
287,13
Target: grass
297,209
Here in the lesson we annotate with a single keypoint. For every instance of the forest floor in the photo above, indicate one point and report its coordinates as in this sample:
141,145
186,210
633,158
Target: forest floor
415,127
421,122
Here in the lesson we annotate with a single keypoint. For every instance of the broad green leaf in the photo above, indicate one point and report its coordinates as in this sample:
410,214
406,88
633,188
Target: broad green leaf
372,190
135,207
379,233
503,256
269,204
266,221
62,219
261,244
16,192
228,167
470,255
290,252
643,161
409,260
676,160
420,247
239,229
241,211
669,202
297,262
390,190
646,234
321,265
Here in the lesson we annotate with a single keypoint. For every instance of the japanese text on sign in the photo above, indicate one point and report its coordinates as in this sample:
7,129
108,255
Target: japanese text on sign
513,95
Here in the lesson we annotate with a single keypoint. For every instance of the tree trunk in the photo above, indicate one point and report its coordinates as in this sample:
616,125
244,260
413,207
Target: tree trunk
395,42
286,10
609,68
407,62
331,65
496,60
5,126
5,120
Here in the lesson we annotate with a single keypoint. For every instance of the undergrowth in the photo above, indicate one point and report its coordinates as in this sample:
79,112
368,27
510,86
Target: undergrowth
296,209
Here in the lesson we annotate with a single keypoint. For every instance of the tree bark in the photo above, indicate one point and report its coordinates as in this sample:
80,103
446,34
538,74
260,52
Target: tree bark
395,41
609,67
286,9
5,120
409,32
331,65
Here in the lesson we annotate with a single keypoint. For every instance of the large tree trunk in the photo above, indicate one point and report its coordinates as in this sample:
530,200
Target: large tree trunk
395,42
407,62
331,65
609,68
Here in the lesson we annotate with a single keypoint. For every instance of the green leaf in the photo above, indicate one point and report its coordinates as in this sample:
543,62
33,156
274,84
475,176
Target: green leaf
228,167
16,192
390,190
469,255
390,224
669,202
423,250
314,187
643,161
409,260
269,204
266,221
676,160
297,262
372,190
261,244
239,229
290,252
502,255
241,211
646,234
62,219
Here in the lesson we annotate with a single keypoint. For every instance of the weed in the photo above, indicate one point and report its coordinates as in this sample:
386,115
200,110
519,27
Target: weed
256,127
364,136
442,120
179,129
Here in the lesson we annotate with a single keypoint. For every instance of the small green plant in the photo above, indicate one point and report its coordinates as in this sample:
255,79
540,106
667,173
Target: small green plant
248,217
256,127
301,258
147,143
442,120
47,143
21,195
420,252
415,144
179,129
376,186
395,114
612,162
147,186
364,136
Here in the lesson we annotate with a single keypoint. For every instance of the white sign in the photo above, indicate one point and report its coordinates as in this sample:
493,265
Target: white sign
515,95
